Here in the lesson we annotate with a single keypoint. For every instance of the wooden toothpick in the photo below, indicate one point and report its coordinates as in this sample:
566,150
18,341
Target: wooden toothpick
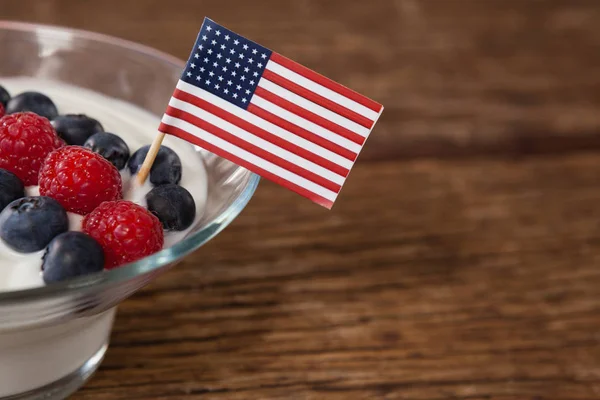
150,157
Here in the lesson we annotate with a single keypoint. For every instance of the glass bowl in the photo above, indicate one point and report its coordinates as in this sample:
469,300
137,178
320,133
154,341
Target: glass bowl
53,338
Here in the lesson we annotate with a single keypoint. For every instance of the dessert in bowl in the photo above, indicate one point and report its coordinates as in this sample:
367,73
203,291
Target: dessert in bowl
55,325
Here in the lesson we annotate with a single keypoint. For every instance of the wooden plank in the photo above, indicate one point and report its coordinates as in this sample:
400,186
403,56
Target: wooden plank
437,279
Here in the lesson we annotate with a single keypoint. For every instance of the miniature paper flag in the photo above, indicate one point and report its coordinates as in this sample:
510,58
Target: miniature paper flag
269,114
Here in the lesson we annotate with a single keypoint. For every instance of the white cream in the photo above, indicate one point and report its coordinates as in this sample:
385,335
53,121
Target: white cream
39,355
137,128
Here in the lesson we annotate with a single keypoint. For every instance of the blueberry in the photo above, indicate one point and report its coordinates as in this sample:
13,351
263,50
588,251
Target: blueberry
4,96
72,254
173,205
109,146
11,188
75,129
166,167
32,101
30,223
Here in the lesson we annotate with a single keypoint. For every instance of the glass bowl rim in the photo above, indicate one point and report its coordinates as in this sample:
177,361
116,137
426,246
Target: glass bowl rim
157,260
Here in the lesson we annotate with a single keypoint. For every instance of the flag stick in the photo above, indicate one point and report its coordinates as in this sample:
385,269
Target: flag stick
150,157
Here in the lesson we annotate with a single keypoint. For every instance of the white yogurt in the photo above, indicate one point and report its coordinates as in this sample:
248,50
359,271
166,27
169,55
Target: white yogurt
137,128
37,356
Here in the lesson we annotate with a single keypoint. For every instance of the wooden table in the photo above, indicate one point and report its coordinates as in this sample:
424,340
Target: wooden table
461,261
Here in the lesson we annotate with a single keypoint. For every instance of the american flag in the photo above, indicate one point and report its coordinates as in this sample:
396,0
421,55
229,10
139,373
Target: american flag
269,114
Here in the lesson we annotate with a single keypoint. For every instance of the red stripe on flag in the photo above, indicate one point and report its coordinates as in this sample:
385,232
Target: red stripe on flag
251,148
303,133
180,133
261,133
318,99
323,81
310,116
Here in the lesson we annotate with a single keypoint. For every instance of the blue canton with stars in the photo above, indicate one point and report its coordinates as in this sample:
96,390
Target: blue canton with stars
226,64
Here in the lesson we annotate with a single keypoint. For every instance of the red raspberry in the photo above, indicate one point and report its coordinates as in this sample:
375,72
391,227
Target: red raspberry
2,110
79,179
126,231
25,141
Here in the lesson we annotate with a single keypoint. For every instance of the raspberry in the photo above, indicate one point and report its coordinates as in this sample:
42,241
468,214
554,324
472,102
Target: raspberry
2,111
79,179
126,231
25,141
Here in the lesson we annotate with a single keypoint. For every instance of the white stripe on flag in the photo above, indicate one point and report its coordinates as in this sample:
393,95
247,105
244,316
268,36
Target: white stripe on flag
250,138
322,90
249,157
313,107
306,124
274,129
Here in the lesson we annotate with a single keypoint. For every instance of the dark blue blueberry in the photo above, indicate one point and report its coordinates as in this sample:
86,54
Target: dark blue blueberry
109,146
30,223
11,188
32,101
72,254
4,96
173,205
75,129
166,167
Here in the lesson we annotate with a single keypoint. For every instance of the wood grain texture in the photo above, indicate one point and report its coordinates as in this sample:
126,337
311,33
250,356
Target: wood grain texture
461,261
